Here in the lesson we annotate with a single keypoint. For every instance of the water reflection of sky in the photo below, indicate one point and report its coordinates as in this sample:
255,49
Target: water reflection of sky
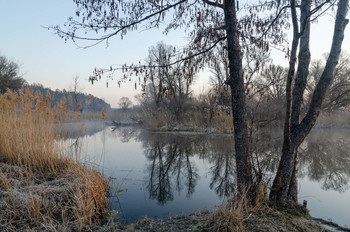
327,204
162,174
127,163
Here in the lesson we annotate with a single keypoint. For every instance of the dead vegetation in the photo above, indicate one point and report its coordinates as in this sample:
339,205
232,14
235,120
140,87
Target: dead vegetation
195,116
237,216
43,187
234,217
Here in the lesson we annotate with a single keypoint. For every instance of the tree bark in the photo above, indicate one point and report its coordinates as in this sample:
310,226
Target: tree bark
293,188
299,88
285,182
236,82
279,182
290,76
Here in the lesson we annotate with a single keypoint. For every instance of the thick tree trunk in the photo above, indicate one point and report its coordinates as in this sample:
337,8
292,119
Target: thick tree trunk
286,149
291,71
299,88
285,182
236,82
293,188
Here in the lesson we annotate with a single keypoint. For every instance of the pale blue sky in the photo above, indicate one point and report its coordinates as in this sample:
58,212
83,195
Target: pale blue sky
45,58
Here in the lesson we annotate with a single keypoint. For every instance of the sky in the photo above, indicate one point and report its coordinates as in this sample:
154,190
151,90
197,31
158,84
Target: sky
46,59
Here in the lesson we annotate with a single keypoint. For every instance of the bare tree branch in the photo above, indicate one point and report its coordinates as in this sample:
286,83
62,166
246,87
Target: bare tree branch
216,4
121,28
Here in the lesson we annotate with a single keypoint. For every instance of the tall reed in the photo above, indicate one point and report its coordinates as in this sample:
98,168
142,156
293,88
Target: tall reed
43,187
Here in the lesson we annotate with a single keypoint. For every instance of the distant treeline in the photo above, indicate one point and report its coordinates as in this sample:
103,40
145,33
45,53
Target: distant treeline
88,102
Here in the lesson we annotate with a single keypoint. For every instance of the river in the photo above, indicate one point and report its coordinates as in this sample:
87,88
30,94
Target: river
163,174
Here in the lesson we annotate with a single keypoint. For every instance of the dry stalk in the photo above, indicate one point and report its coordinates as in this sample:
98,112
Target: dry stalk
42,187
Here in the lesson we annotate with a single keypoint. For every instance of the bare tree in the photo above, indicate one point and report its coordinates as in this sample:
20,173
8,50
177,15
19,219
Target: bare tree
125,103
221,23
295,130
220,70
338,94
76,91
9,75
272,83
166,83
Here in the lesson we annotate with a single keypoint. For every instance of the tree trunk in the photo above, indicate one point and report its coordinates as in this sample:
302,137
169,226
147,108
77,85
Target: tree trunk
293,188
291,71
286,149
299,87
236,82
285,183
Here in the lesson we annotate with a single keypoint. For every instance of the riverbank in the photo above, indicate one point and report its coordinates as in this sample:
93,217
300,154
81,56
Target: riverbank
46,188
223,124
263,219
43,184
66,204
72,199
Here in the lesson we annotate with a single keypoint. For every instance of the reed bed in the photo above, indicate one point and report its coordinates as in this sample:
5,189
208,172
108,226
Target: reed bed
42,186
196,116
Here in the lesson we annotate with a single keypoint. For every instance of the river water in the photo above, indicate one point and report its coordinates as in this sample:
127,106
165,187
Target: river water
162,174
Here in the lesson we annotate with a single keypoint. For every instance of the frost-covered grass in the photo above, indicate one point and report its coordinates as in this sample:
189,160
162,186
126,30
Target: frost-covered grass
42,186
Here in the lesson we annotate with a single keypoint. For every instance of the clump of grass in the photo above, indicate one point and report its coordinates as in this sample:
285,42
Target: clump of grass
259,214
43,188
228,217
291,208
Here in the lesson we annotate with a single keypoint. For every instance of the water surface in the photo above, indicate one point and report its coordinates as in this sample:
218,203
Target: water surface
163,174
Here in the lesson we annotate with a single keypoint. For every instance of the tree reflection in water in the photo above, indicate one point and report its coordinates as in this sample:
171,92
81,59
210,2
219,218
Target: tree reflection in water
170,165
222,165
324,157
125,133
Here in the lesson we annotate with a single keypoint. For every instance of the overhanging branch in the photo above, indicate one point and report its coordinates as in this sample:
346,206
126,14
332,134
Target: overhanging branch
121,28
172,63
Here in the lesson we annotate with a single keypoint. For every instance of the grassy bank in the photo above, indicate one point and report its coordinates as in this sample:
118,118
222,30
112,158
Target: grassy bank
199,116
196,116
43,186
234,218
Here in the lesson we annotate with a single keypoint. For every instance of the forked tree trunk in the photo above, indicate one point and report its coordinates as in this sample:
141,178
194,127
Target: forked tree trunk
290,76
284,185
236,82
299,88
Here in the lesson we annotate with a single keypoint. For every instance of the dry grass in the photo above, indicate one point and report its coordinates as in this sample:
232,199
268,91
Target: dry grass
241,215
231,216
42,187
222,120
196,116
109,115
90,116
228,217
160,118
